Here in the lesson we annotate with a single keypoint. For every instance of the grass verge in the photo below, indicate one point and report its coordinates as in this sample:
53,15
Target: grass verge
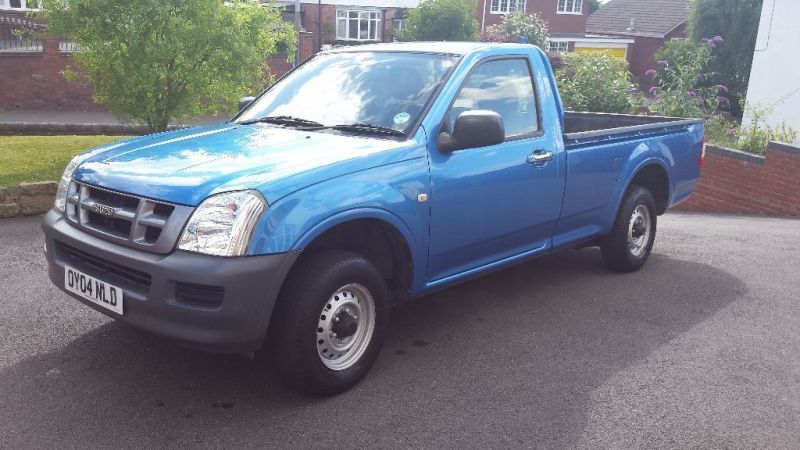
41,158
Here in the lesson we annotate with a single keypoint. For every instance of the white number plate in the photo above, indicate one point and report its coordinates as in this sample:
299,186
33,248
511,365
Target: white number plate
94,290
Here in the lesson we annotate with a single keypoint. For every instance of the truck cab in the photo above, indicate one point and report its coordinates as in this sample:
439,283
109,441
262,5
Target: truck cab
365,177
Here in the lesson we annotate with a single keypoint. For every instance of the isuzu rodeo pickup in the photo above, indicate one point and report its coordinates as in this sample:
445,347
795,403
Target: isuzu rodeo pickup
365,177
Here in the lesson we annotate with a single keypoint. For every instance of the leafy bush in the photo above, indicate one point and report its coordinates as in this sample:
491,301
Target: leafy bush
595,82
753,137
152,61
684,86
519,25
722,131
441,20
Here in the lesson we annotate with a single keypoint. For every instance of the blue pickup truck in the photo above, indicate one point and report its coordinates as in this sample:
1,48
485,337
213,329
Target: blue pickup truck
365,177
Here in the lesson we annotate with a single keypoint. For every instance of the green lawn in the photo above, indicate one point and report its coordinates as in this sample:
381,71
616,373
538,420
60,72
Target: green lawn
41,158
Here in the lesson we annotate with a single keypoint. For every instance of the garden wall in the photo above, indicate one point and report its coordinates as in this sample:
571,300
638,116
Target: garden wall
743,183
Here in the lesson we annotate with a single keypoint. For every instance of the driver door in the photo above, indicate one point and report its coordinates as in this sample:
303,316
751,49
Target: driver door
492,203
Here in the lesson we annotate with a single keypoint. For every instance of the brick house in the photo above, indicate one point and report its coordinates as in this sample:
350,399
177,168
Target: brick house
649,23
566,20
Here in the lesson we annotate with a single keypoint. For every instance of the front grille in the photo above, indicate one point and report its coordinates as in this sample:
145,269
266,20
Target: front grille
199,295
103,269
126,219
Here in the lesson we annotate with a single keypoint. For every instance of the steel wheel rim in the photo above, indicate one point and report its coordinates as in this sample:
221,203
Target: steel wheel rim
350,309
639,230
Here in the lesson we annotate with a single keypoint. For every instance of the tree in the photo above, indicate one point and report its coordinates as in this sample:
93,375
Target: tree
736,21
594,5
441,20
519,25
153,61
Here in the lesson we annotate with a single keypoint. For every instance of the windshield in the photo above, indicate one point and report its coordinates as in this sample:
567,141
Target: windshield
387,89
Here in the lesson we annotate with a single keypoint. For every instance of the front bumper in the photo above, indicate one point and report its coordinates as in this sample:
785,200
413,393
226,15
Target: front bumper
235,295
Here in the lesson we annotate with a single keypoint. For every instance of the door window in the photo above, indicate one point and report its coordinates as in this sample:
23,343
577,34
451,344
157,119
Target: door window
504,86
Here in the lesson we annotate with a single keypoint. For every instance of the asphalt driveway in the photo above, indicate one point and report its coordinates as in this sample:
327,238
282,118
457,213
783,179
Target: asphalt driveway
699,349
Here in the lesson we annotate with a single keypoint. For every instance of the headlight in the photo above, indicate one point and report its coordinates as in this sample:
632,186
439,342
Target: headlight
223,223
63,184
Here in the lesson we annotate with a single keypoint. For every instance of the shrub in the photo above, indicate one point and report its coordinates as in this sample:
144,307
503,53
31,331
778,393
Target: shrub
752,137
519,25
595,82
684,86
441,20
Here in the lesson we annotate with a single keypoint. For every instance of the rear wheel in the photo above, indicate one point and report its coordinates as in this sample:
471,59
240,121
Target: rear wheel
628,246
329,322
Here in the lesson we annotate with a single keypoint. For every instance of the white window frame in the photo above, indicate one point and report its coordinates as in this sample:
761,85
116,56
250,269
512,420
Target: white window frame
345,16
570,7
5,5
558,47
507,6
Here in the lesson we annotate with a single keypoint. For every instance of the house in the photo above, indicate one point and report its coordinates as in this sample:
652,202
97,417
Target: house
566,21
349,22
649,23
773,76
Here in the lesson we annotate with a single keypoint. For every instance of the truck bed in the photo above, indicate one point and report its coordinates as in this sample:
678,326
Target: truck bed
581,128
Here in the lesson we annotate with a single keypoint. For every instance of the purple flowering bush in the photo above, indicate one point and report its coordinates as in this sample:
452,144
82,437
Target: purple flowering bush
683,85
595,82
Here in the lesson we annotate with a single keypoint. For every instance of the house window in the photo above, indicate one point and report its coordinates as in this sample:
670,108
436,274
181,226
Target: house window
570,6
507,6
398,24
358,25
20,5
558,47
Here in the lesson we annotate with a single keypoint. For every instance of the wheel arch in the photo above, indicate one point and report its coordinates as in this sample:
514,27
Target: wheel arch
380,237
652,175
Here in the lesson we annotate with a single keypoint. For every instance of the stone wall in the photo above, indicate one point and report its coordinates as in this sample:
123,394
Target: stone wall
27,199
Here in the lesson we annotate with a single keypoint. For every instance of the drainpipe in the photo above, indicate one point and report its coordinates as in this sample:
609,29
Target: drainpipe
319,24
297,26
483,17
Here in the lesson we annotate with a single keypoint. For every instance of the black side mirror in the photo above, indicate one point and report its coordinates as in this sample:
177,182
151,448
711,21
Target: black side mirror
473,129
244,101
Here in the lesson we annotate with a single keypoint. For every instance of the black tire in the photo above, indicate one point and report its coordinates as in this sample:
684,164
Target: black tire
617,253
293,333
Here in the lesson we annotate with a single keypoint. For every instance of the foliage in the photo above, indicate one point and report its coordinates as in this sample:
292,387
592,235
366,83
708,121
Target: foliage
594,5
595,82
41,158
737,21
684,85
752,137
722,131
153,61
755,136
441,20
518,25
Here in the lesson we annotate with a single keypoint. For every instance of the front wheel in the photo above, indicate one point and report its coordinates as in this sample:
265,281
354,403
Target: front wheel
330,322
628,246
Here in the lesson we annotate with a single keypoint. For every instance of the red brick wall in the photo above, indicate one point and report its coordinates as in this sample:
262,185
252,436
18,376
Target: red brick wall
741,183
33,81
547,9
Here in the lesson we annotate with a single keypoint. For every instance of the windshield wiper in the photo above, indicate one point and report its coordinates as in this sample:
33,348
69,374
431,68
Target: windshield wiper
284,120
367,128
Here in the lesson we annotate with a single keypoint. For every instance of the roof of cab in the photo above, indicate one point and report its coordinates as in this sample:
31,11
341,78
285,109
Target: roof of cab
449,48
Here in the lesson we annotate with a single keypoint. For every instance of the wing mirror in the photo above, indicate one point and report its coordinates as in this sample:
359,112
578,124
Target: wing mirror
472,129
245,101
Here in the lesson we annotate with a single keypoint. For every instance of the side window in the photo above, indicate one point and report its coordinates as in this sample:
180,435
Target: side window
504,86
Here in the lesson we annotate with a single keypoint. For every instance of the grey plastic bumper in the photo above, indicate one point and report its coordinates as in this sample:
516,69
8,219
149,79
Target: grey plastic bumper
250,286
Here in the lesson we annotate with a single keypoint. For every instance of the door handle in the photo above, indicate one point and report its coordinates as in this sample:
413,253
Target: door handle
539,158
